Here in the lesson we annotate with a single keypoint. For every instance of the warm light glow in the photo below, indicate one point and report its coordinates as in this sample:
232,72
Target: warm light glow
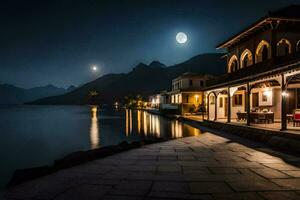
145,116
181,38
94,130
127,122
285,94
268,93
196,98
116,105
176,129
139,123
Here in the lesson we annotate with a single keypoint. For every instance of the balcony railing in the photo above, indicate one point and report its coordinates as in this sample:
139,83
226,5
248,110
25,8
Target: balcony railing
257,68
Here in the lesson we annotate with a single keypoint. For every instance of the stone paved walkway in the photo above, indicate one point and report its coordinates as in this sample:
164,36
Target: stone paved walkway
203,167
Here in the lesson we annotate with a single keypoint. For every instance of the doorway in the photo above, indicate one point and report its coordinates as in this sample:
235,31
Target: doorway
226,106
255,100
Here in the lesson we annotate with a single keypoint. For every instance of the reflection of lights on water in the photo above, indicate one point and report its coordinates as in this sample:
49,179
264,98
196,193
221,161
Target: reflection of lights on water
145,123
139,123
176,128
128,121
196,132
94,130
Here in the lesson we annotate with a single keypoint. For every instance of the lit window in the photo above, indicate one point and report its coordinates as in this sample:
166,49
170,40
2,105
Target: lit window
221,102
237,100
212,99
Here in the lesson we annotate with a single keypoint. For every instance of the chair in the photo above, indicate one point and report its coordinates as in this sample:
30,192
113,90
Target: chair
296,118
261,118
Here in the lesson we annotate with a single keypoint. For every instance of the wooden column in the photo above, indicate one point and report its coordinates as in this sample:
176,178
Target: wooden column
207,104
283,104
248,103
228,106
216,107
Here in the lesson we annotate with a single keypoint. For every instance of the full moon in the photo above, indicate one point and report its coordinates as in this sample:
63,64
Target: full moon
181,38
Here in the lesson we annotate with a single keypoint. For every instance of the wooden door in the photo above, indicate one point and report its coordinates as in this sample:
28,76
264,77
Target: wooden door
255,100
226,106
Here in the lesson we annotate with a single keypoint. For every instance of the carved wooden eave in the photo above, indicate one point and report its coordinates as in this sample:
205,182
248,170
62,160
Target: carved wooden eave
271,22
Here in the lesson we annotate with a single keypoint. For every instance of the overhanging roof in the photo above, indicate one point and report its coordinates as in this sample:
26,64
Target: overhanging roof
291,13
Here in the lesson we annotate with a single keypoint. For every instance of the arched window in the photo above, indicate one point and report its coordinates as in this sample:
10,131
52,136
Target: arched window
263,51
298,46
246,58
233,64
284,48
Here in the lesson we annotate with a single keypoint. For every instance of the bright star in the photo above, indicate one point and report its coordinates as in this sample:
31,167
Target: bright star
94,68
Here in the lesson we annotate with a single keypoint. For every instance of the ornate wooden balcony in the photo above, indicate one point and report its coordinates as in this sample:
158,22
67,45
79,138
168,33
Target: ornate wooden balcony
270,66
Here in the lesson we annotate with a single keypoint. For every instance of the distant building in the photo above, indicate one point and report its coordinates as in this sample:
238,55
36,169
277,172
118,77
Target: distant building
187,91
157,100
262,84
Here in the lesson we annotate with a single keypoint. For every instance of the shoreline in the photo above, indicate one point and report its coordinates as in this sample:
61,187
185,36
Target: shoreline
81,157
74,159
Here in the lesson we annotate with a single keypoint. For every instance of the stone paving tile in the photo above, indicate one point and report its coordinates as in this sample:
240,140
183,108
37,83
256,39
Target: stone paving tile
169,168
84,192
195,170
209,187
281,166
121,192
203,167
280,195
223,170
186,157
291,183
168,186
293,173
134,185
155,195
44,188
253,185
238,196
270,173
167,157
169,177
114,197
240,164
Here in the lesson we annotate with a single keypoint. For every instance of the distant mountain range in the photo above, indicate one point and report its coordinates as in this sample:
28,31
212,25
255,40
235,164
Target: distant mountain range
10,94
143,79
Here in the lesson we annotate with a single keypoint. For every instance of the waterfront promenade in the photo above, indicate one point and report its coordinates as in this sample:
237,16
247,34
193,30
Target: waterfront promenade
208,166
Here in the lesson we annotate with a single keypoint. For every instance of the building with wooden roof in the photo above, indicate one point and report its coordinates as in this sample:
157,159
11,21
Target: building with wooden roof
262,83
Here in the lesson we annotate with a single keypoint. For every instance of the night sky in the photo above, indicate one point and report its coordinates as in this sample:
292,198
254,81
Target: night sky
56,42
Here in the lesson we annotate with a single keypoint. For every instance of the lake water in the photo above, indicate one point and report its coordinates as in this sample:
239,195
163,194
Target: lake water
32,136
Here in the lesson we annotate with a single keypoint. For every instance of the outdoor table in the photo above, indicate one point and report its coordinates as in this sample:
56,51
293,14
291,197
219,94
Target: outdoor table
241,116
262,117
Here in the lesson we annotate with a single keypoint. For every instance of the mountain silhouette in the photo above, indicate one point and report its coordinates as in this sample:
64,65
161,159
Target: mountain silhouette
11,94
143,80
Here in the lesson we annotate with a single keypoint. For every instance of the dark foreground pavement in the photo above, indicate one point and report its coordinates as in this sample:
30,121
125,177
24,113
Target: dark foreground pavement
201,167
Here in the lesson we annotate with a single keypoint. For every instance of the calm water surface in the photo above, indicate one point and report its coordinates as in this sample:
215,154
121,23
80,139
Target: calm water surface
31,136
